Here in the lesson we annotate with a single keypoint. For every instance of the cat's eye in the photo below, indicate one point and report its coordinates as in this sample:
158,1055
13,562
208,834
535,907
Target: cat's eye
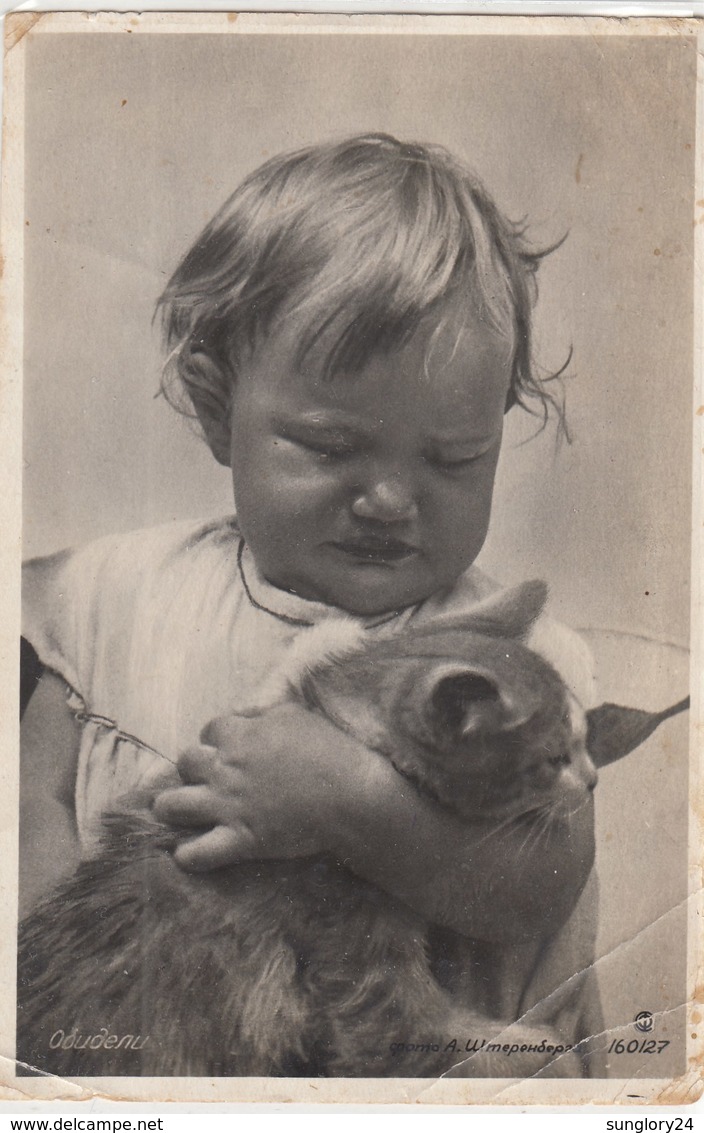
563,760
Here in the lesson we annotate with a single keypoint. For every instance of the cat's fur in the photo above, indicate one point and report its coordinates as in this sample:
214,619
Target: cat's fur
300,967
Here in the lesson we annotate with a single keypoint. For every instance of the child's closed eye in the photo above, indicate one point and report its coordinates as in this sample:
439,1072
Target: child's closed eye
453,463
324,449
326,444
330,450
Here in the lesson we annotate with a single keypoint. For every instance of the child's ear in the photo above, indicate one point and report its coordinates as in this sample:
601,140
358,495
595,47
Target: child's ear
209,390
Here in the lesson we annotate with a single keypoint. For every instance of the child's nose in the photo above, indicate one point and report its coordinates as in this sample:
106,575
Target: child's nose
387,501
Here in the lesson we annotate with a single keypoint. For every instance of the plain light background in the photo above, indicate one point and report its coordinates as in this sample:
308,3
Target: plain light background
134,140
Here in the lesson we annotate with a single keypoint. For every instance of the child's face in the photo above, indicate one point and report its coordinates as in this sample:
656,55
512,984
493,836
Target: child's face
370,491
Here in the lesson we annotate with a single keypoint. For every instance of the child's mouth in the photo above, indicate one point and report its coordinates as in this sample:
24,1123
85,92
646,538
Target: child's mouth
377,550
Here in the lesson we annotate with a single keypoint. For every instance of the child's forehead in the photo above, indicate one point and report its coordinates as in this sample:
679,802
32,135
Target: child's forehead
448,382
458,329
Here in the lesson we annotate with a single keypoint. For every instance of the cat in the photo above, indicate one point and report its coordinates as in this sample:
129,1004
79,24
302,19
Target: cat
300,967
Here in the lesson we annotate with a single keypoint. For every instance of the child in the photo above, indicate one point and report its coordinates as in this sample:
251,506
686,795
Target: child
350,330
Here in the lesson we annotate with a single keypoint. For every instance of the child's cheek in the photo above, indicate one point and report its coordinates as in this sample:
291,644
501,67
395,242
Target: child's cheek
288,493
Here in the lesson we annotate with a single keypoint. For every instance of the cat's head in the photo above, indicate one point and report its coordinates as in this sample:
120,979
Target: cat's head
481,723
466,710
492,730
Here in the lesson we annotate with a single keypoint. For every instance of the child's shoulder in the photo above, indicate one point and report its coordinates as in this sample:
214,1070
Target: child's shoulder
127,557
75,597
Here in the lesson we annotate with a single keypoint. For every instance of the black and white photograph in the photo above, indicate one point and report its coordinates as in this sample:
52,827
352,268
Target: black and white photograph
352,399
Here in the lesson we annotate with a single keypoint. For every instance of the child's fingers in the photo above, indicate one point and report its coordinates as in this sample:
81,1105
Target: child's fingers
188,806
227,731
234,735
197,764
221,846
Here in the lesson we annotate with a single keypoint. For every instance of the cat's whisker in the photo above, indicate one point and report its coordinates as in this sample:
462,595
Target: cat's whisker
527,841
543,818
499,829
584,803
550,821
538,821
533,834
543,829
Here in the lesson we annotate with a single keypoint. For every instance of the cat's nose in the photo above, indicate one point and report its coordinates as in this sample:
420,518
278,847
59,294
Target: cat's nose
387,501
591,775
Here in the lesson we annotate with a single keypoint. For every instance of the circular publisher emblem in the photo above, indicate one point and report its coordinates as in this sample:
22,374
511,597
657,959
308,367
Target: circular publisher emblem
644,1021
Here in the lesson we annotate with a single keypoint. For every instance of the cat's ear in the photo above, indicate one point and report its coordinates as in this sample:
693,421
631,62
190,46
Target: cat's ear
465,700
509,613
613,731
518,609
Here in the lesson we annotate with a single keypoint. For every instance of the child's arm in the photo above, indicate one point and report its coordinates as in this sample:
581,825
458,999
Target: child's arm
48,753
289,784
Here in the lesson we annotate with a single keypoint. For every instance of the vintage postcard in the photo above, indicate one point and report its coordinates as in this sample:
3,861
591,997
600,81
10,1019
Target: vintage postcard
351,440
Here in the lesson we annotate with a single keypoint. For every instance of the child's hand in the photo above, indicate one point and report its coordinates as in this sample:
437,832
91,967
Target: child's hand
267,786
290,784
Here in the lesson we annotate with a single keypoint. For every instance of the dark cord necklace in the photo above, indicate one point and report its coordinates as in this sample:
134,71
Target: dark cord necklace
287,617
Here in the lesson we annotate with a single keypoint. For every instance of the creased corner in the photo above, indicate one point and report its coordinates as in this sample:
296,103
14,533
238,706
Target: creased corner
66,1090
18,25
682,1091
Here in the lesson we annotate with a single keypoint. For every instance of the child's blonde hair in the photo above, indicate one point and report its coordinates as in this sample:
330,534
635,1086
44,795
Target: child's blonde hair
362,237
